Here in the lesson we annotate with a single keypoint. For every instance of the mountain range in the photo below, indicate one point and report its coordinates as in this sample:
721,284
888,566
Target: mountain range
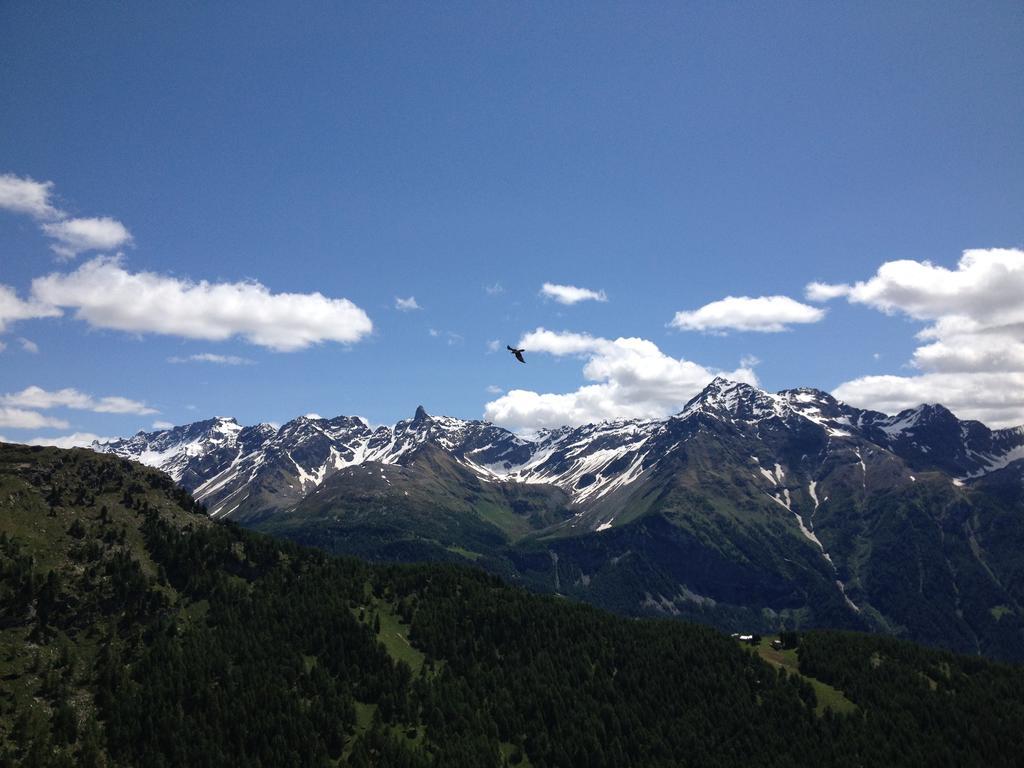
137,631
747,509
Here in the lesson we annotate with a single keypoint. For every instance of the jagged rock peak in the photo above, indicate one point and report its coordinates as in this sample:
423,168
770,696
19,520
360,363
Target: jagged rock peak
915,418
807,395
735,399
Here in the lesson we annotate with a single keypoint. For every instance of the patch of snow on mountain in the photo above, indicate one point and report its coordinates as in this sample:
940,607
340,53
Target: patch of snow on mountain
900,423
315,477
997,462
863,467
219,480
605,485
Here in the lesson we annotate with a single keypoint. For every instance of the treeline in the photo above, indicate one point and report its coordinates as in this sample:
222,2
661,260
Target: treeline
929,707
137,633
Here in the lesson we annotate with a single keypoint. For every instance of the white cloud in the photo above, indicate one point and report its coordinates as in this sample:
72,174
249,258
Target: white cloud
451,337
635,379
121,405
106,295
37,397
825,291
972,358
996,399
965,353
986,286
406,305
570,294
163,425
12,308
3,346
74,236
494,389
74,440
19,418
28,345
764,314
494,290
210,357
25,195
316,416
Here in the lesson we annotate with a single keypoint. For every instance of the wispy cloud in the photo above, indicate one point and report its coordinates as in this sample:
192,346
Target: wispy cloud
450,337
210,357
570,294
13,308
163,425
72,235
41,399
406,305
750,361
29,346
494,289
26,195
825,291
19,418
763,314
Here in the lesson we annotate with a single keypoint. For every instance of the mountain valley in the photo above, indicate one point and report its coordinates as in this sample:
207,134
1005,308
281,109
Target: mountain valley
746,509
135,630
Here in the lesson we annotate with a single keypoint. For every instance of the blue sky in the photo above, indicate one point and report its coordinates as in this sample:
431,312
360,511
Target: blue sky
667,155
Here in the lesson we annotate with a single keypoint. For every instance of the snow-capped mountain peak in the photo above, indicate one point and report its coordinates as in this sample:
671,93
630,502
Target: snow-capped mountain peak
219,459
735,401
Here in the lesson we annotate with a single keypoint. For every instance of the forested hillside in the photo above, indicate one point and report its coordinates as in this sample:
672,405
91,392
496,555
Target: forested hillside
133,631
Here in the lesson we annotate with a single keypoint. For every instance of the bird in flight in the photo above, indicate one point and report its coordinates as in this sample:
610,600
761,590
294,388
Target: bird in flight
517,352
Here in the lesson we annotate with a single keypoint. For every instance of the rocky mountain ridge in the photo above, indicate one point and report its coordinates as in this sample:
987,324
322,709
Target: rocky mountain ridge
747,509
218,460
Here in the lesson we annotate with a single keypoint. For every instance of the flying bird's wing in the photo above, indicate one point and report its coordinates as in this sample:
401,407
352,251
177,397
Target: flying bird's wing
519,355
